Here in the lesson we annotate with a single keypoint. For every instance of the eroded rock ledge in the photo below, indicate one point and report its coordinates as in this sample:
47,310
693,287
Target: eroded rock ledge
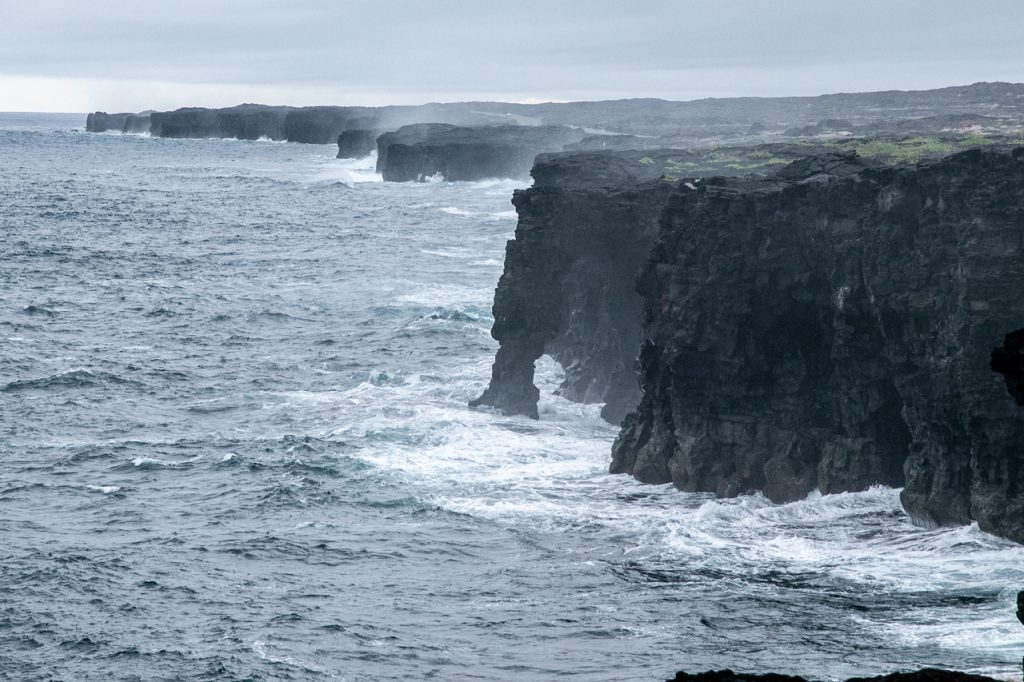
831,327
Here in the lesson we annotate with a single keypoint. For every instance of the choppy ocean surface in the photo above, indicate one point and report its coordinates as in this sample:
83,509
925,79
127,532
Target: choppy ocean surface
234,445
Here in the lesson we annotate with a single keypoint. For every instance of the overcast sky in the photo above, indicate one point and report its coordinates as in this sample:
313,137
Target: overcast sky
129,55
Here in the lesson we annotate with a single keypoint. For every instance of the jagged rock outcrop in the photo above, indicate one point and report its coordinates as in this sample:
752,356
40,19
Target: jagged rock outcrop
419,151
357,143
833,326
922,675
101,122
585,228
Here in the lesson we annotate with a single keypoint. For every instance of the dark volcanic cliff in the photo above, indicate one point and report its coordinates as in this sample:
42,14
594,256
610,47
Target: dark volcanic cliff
832,327
419,151
357,143
991,108
245,122
101,122
585,228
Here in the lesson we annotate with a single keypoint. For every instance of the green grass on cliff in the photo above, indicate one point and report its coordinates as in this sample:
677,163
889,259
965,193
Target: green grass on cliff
886,150
911,149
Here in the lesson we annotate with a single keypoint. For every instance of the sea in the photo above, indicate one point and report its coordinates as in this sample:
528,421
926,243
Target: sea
235,445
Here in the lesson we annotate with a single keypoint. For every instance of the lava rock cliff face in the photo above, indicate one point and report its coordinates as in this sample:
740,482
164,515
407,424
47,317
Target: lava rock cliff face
101,122
833,326
357,143
244,122
584,228
416,152
316,125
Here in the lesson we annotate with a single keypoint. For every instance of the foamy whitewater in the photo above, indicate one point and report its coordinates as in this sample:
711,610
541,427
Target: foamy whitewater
235,440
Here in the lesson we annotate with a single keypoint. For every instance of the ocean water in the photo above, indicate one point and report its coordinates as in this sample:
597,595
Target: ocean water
234,445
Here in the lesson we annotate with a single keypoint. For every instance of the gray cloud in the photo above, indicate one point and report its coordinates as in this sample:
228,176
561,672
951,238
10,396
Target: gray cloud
401,50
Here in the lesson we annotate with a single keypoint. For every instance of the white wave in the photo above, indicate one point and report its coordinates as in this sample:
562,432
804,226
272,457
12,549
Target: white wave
454,210
339,173
105,489
504,214
260,649
325,170
452,252
450,295
153,462
498,186
551,476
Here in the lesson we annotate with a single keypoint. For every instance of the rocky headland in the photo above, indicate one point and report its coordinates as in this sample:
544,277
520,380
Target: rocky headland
420,151
634,123
831,327
585,227
101,122
826,325
824,303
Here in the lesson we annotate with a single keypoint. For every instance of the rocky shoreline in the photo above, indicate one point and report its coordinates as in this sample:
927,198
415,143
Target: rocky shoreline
501,139
922,675
827,326
805,309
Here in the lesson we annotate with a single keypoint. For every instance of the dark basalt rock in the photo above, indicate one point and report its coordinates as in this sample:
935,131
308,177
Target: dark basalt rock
101,122
357,143
317,125
997,109
136,123
615,143
244,122
566,288
831,327
923,675
1008,360
585,228
419,151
